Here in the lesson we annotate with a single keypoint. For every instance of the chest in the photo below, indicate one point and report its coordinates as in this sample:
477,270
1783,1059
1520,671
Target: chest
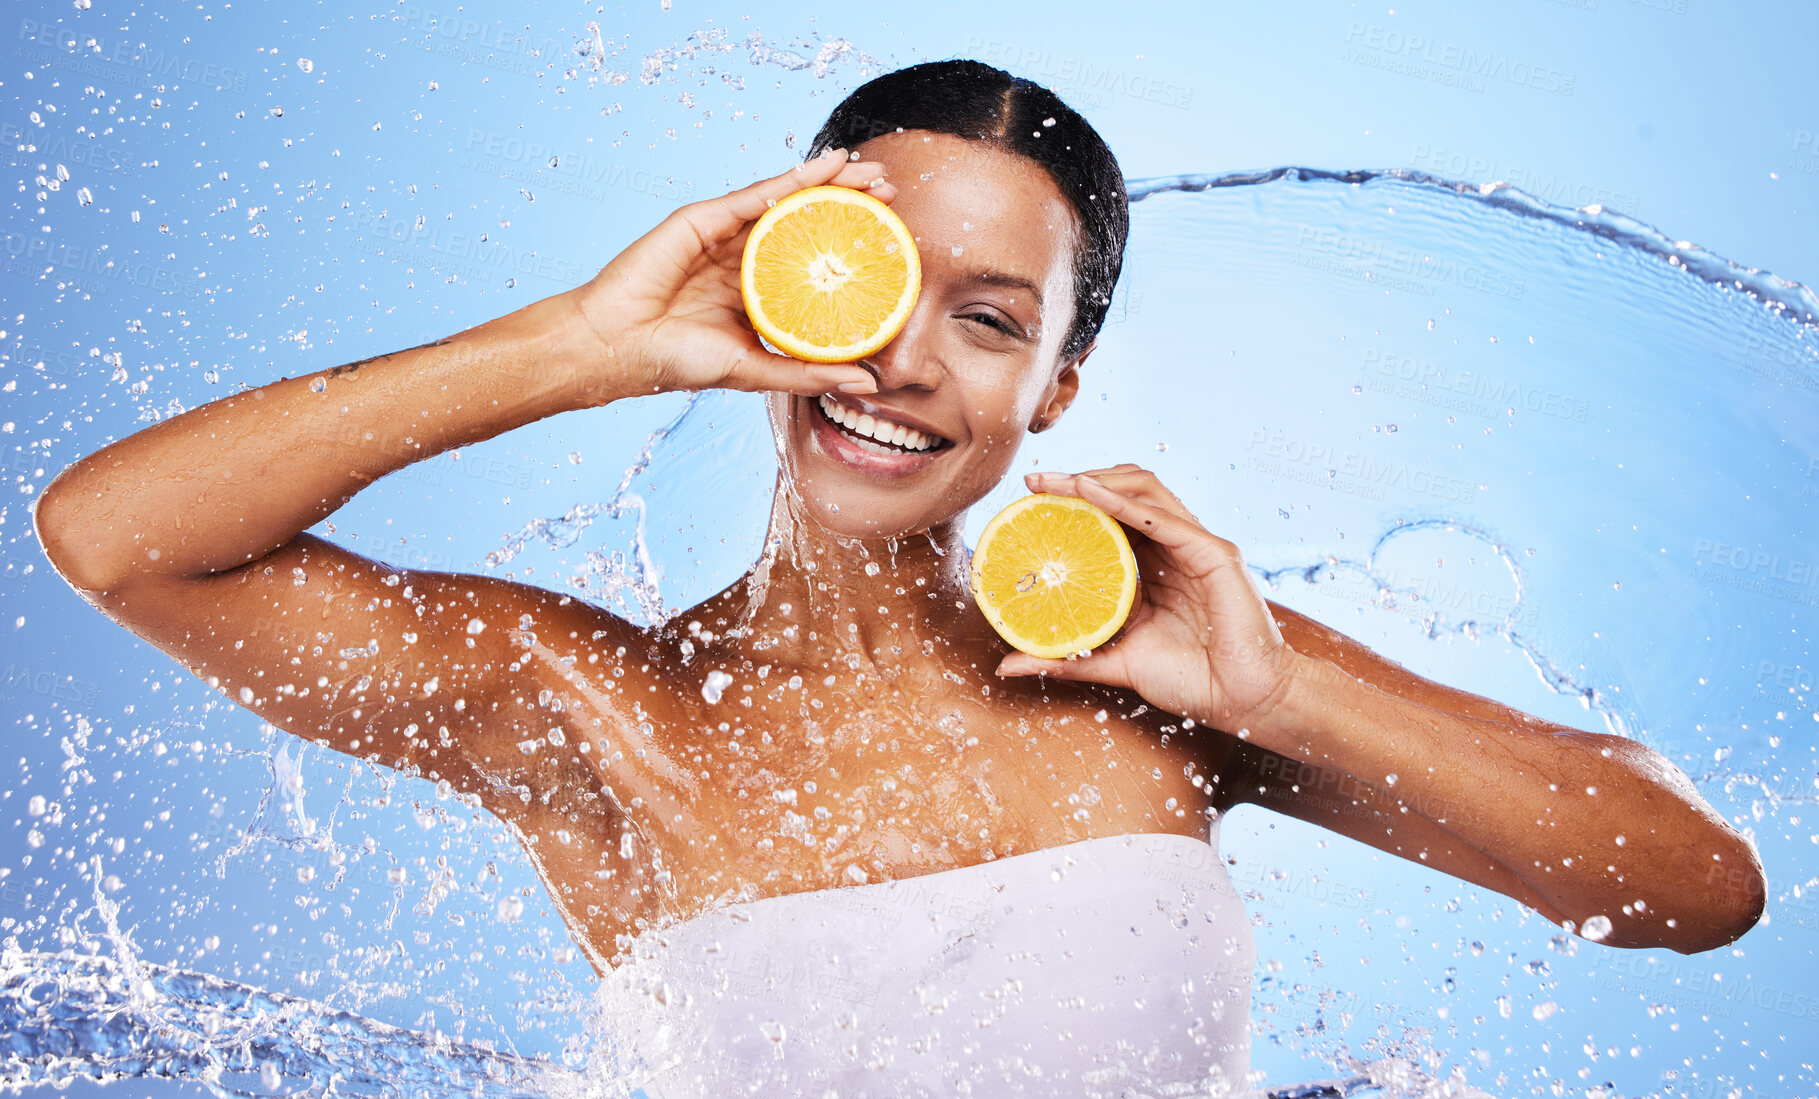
800,784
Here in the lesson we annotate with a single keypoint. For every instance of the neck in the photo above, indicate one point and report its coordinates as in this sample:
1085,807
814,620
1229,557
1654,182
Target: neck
817,598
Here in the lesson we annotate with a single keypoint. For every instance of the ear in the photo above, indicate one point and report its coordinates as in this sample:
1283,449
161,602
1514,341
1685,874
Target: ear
1062,393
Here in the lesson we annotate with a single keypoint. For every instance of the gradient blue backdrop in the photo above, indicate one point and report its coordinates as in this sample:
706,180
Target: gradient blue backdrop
217,195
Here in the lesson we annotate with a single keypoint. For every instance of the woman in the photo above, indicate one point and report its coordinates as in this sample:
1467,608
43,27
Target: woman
843,716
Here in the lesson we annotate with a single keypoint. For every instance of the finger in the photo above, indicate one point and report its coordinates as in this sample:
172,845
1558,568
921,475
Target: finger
867,176
1159,524
1109,471
1130,481
717,219
1121,467
759,371
1137,482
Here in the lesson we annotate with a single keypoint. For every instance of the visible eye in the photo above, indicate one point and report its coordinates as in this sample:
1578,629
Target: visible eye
992,320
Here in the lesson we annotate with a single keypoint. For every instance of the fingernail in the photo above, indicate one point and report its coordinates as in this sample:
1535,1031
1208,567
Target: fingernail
858,387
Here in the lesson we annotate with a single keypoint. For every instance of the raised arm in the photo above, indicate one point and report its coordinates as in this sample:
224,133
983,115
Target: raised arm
190,533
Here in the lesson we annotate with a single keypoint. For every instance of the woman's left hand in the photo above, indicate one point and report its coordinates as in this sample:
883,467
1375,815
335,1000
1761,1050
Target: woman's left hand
1200,642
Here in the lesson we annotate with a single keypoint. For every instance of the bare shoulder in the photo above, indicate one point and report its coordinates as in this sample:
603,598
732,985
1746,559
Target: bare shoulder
405,667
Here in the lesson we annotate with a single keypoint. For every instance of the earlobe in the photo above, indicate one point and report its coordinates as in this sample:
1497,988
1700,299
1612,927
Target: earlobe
1062,393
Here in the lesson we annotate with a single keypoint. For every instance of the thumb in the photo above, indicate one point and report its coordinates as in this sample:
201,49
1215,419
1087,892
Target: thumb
1085,669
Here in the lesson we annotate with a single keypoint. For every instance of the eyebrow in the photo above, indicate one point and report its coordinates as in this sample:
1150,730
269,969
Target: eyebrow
1004,281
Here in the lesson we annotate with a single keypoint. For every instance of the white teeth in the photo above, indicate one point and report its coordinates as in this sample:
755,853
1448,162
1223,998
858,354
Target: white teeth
871,427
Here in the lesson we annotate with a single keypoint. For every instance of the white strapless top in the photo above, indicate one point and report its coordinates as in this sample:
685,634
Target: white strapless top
1118,966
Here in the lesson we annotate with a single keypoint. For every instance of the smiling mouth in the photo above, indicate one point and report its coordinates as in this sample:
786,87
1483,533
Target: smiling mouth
877,436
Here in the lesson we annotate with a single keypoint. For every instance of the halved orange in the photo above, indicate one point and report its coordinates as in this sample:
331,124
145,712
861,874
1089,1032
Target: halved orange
829,275
1054,575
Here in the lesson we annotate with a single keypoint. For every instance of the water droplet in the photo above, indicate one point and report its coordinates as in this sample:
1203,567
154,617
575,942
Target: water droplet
1048,122
1597,928
85,197
1545,1010
1389,779
716,685
957,250
475,625
277,112
268,1075
317,385
511,907
309,66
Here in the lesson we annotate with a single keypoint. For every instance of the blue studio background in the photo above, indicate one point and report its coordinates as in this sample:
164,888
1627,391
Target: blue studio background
212,196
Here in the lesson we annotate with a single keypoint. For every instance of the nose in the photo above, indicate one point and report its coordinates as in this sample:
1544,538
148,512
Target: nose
909,361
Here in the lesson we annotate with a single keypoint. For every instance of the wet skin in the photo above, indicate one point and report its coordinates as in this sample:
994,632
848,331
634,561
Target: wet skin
899,751
868,724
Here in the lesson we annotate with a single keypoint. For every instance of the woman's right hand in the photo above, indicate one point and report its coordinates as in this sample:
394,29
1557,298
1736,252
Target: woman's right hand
666,313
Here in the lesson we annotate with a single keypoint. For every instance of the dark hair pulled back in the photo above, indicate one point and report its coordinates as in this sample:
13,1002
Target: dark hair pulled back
975,101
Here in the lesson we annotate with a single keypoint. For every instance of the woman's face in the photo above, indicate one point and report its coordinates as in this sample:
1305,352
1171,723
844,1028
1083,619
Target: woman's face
979,362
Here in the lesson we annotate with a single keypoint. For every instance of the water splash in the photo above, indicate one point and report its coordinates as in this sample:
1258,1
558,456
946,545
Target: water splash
628,580
67,1017
1787,298
1435,620
819,57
